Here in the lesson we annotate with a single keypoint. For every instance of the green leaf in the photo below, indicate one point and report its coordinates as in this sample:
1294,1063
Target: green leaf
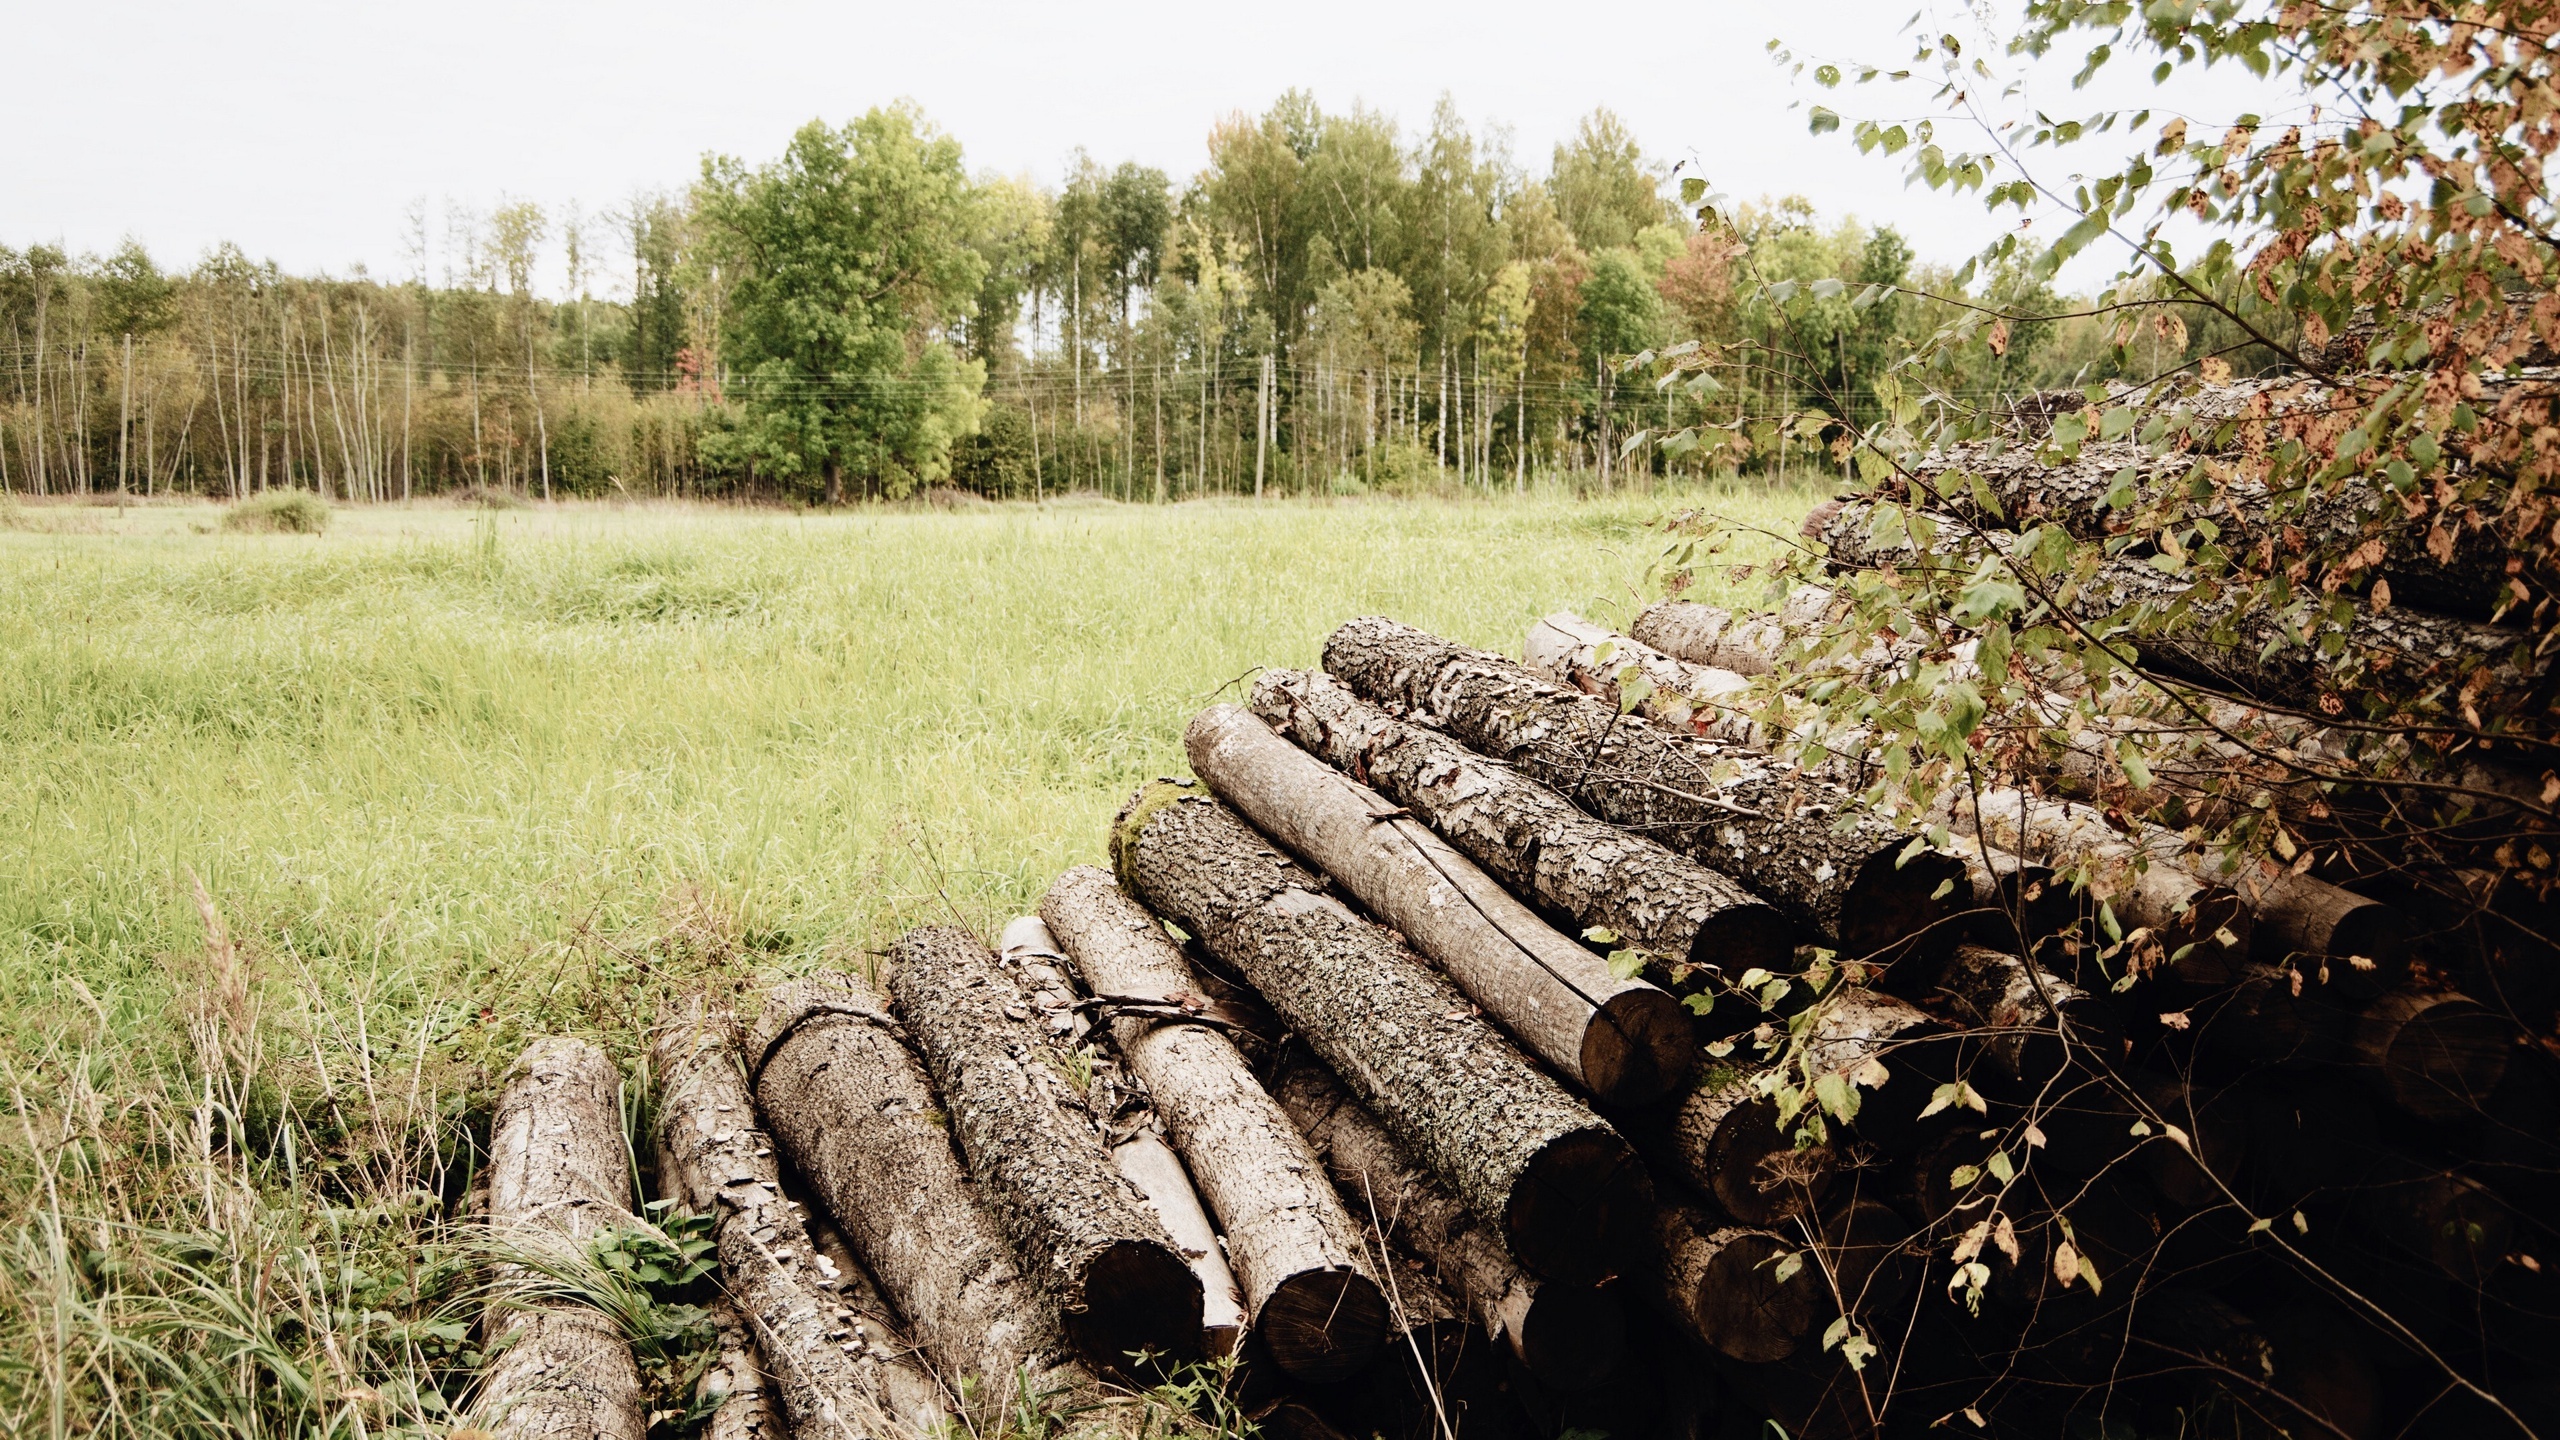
2000,1167
1788,1265
1964,1175
1824,120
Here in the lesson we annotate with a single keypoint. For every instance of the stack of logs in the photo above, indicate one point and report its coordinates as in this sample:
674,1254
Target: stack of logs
1465,1052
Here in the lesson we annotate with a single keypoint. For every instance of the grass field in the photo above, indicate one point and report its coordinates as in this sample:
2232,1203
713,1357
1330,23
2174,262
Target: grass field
451,777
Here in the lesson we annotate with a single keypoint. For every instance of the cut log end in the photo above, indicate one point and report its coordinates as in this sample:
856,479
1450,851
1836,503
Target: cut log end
1573,1335
1323,1325
1139,1296
1580,1208
1894,900
1639,1047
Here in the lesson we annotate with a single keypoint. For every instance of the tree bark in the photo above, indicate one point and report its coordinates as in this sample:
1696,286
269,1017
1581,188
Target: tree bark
1529,836
836,1371
1720,1282
1307,1284
1120,1283
1724,1138
2017,901
855,1117
1568,1336
1744,642
1622,1041
1564,1188
2141,882
2435,1054
559,1177
1804,845
735,1384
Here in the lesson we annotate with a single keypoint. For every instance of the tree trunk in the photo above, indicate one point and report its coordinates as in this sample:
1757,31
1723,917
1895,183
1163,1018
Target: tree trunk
1802,844
1855,1026
1568,1336
2406,650
831,1366
2141,883
1720,1282
559,1177
1623,1041
2031,1025
2355,947
1530,837
1565,1189
1726,1141
1307,1286
2471,579
833,469
1744,642
1079,1229
2019,903
1155,1172
854,1116
2435,1054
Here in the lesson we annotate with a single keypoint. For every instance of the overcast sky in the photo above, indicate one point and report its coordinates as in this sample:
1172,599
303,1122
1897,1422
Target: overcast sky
304,132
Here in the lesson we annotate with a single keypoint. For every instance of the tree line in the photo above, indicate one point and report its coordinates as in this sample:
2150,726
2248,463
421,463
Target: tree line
1333,304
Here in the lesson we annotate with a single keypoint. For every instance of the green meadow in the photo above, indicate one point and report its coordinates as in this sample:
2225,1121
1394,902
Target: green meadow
450,778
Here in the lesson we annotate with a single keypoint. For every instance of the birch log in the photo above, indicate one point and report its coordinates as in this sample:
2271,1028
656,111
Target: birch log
839,1373
857,1120
1529,836
558,1177
1566,1191
1308,1290
1803,844
1121,1285
1622,1041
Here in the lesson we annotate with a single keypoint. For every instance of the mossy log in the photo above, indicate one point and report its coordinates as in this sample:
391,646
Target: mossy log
1308,1290
1623,1041
559,1177
1083,1233
1568,1336
837,1371
1724,1138
1721,1283
858,1121
1565,1189
1803,844
1532,838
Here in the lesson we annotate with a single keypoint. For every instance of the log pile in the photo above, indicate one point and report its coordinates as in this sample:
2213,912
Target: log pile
1480,1047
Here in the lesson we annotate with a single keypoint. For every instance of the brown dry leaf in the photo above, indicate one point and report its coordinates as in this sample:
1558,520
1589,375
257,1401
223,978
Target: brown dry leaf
2000,337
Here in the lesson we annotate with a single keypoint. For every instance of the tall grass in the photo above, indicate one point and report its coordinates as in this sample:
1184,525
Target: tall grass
453,779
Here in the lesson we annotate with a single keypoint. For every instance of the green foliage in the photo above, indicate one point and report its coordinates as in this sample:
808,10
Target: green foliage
846,262
278,512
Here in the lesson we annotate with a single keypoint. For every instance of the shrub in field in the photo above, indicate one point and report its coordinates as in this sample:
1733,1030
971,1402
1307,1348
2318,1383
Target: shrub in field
488,497
279,512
